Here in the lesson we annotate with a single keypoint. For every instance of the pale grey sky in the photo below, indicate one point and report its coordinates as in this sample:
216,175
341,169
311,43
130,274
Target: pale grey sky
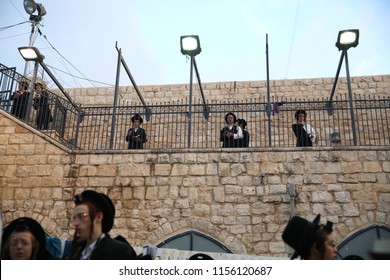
301,38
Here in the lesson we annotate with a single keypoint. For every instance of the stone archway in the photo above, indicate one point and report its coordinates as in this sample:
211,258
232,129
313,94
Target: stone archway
171,229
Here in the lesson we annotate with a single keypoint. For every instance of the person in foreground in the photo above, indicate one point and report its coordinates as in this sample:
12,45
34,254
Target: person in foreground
310,240
93,218
24,239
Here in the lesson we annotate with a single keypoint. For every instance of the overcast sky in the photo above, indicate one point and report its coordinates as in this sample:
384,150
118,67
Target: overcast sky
79,36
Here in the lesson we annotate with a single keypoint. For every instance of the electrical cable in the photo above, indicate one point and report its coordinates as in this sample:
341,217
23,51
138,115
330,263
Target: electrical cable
10,26
293,37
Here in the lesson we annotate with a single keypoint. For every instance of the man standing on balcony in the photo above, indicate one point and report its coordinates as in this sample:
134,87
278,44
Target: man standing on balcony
41,104
20,99
305,133
231,132
136,136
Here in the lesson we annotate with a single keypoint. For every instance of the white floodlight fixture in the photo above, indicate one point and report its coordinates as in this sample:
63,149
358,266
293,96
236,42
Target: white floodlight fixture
190,45
347,39
30,6
31,54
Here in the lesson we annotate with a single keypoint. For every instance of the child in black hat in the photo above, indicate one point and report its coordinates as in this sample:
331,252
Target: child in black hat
93,218
24,239
311,240
244,142
136,136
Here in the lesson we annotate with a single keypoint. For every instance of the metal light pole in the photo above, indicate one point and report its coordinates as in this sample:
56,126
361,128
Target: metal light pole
345,40
30,6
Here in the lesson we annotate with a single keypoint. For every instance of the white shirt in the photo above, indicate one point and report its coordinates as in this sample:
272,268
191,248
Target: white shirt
310,131
239,134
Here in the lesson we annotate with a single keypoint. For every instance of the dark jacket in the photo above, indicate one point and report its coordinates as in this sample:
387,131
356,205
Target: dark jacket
303,139
41,104
228,142
244,142
19,104
132,135
105,249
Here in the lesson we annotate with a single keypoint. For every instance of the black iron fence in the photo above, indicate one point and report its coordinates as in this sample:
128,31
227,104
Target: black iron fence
169,127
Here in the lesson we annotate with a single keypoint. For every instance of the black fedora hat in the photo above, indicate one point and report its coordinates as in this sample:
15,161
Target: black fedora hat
242,121
31,225
200,256
299,234
103,203
137,117
230,114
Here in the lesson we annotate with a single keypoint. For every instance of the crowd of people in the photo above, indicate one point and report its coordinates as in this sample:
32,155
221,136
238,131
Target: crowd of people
92,219
233,135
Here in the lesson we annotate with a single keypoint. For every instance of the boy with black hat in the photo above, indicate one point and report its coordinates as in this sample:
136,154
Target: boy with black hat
311,240
24,239
93,218
244,142
136,136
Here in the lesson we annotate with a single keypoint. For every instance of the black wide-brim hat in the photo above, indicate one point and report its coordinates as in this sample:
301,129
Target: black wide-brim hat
228,114
297,113
28,224
299,234
137,117
103,203
244,124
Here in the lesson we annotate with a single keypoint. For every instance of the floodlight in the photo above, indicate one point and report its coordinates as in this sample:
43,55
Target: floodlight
190,45
347,39
30,6
31,54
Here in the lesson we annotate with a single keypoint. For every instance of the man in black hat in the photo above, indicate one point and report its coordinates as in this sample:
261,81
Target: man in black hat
136,136
230,134
20,99
93,218
41,104
311,240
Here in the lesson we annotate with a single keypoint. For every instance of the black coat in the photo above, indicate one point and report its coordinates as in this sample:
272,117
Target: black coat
19,104
105,249
244,142
133,136
303,139
41,104
228,142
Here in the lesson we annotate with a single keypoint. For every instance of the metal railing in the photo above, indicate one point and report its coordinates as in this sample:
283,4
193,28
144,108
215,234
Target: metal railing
98,128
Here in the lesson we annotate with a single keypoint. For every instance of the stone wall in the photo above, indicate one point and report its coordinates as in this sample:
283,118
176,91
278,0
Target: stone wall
238,197
237,90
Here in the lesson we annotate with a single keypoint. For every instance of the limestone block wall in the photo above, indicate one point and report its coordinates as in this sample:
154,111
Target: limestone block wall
236,90
237,196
